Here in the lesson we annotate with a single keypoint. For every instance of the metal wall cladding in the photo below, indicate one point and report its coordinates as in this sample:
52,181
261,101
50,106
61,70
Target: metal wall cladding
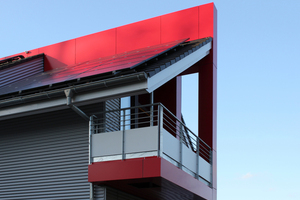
44,156
21,71
113,118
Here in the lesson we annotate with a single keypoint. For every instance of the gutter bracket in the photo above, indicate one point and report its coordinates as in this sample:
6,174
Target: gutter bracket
69,94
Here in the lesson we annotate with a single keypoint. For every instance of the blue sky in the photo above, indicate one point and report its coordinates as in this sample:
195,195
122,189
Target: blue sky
258,77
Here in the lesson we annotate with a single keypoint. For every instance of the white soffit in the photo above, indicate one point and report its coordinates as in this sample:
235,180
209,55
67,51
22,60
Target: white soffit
172,71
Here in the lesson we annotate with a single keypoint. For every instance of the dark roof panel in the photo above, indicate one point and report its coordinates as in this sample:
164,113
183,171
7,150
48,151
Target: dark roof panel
116,62
16,70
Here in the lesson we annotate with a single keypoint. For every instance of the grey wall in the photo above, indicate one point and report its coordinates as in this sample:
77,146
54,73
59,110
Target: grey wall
44,156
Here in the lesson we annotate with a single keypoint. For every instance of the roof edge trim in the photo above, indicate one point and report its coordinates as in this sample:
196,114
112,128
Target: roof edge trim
167,74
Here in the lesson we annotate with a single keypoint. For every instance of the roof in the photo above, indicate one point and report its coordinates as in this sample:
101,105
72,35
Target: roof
150,60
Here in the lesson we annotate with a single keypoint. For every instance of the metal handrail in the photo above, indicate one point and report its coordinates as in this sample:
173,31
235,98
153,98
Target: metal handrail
156,104
181,130
184,125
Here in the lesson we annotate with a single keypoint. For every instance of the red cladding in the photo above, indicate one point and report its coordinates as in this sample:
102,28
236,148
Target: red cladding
116,170
152,167
59,55
193,23
179,25
96,45
206,20
215,42
138,35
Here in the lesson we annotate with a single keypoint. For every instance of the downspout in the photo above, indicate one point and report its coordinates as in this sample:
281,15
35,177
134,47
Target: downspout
69,94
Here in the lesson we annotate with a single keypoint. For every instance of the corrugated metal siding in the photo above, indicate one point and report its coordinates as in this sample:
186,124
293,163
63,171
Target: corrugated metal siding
44,157
113,118
21,71
99,192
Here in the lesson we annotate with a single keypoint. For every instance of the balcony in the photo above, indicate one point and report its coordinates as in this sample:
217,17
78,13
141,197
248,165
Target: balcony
149,131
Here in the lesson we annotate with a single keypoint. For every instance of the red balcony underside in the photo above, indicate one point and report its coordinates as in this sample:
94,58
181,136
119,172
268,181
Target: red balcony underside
149,178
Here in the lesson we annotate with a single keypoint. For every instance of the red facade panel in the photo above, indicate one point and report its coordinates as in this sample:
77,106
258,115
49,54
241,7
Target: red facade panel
152,167
116,170
138,35
179,25
96,45
215,42
59,55
206,20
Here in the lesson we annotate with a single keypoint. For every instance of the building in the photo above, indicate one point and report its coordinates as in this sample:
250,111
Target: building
99,116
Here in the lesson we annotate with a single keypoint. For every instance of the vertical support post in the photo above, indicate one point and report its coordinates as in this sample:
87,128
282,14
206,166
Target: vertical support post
178,104
211,167
197,158
151,108
160,127
91,131
123,136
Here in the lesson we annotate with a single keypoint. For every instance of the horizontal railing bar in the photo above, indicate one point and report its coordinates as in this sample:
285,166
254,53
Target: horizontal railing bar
129,108
170,121
183,124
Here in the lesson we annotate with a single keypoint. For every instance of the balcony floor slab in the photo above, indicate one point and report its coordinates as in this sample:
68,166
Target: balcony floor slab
149,178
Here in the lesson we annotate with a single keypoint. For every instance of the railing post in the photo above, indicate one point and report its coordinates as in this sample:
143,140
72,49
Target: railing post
151,108
160,127
123,137
197,159
180,146
91,130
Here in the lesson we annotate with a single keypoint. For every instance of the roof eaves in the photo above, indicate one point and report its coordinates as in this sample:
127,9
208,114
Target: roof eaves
179,62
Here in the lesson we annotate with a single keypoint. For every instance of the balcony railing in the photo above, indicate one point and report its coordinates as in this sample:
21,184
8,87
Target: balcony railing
149,130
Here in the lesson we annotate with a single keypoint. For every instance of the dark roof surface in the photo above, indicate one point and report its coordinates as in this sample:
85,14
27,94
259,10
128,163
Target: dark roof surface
150,60
90,68
10,62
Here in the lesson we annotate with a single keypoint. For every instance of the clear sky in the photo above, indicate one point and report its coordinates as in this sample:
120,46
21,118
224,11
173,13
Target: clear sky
258,77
